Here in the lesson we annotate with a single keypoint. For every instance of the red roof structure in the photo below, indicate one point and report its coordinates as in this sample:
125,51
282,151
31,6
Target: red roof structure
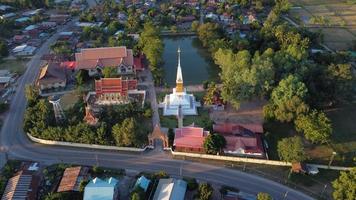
190,139
71,179
104,57
69,65
232,127
138,63
114,85
240,140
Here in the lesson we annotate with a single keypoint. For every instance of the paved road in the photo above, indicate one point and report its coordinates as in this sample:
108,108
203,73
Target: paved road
16,144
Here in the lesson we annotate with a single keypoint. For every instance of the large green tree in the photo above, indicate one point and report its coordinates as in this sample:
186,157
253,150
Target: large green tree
245,77
345,185
214,143
205,191
3,49
127,133
208,33
315,125
287,100
263,196
291,149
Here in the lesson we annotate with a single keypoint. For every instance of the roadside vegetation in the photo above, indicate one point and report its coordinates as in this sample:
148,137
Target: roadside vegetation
118,124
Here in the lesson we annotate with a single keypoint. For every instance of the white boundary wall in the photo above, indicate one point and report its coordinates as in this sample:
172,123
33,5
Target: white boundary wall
93,146
234,159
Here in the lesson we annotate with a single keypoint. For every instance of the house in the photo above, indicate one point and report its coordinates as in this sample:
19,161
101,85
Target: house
5,78
24,184
101,189
189,139
170,189
59,18
31,30
143,183
5,8
71,179
51,76
20,39
239,140
32,13
24,50
7,16
47,25
95,59
65,35
138,63
22,20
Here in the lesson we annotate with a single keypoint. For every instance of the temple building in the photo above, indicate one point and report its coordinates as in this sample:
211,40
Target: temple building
114,91
94,60
179,102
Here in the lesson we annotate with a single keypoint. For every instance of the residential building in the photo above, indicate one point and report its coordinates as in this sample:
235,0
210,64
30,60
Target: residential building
190,139
170,189
51,77
143,183
71,179
24,184
95,59
179,101
240,140
59,18
101,189
20,39
24,50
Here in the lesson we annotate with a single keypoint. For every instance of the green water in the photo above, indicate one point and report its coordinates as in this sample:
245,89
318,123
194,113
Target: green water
197,65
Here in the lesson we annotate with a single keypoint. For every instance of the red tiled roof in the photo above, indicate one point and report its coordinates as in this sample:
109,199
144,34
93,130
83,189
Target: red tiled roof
138,63
104,57
189,137
232,127
68,64
71,179
239,137
114,85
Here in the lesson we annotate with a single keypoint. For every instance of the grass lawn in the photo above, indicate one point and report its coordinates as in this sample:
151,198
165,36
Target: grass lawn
17,66
68,100
343,138
199,120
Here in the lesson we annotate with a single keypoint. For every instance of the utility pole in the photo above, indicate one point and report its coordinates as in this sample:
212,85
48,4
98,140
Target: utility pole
322,192
331,159
285,195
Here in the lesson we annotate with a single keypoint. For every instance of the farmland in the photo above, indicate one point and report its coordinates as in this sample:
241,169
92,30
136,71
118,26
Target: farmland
334,18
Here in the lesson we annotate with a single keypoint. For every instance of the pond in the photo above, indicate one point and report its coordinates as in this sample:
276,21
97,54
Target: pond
197,65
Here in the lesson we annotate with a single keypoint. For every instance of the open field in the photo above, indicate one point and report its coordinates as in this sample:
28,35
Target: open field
17,66
336,19
343,138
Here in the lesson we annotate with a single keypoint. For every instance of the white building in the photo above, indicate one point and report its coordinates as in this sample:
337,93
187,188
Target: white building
24,50
100,189
170,189
179,102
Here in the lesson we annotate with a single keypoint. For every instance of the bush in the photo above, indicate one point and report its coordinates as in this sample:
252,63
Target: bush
191,183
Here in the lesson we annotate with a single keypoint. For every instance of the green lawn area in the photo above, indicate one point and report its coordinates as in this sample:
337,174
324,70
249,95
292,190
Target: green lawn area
68,100
343,140
200,120
14,66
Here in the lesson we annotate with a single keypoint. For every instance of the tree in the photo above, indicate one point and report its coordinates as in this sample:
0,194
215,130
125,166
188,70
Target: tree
344,186
214,143
3,49
127,133
211,92
109,72
170,137
287,100
244,77
31,94
263,196
205,191
208,32
138,194
315,125
339,79
62,48
291,149
195,25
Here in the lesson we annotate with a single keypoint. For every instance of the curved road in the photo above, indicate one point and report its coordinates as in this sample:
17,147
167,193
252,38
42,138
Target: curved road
17,146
